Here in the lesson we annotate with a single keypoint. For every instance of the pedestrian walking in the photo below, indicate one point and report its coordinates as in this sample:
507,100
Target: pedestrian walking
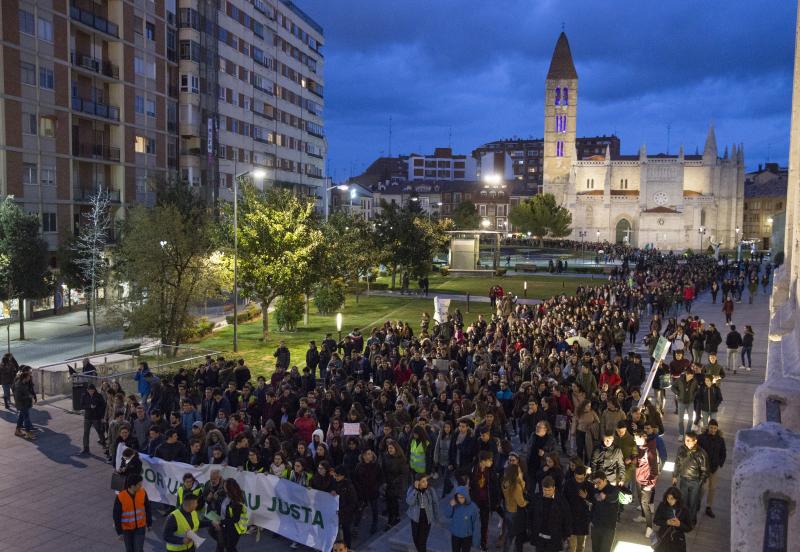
485,492
674,521
691,472
24,399
712,442
132,515
423,510
747,348
550,519
94,408
727,308
646,478
708,397
578,493
733,341
8,373
464,521
179,523
513,487
234,518
605,507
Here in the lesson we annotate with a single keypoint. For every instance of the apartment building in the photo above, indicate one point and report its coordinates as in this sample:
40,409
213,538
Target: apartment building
124,94
442,165
765,193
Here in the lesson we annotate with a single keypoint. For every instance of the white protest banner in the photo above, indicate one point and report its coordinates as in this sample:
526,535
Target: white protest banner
659,354
303,515
353,428
440,308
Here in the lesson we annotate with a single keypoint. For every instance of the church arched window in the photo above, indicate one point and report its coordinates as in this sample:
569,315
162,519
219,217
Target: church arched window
560,148
558,95
702,217
566,96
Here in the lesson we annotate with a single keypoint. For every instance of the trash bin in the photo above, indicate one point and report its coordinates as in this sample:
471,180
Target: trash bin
78,389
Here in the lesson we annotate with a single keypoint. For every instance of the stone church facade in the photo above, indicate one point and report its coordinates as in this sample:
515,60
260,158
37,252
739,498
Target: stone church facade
665,201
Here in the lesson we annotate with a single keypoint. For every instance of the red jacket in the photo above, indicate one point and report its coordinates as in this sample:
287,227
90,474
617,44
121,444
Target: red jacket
611,378
688,293
401,376
647,465
305,428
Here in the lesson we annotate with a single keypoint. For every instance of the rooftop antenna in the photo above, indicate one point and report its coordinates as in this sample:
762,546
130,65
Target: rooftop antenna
669,127
563,25
390,135
450,138
769,150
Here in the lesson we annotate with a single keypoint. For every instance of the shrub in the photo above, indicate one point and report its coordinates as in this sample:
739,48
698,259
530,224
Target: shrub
444,271
500,272
251,312
201,328
373,273
289,311
329,297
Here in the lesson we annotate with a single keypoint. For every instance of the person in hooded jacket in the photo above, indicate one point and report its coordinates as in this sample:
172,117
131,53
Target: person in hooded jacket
463,520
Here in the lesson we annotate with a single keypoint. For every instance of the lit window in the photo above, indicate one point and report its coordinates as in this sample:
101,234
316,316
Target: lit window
27,23
47,127
140,144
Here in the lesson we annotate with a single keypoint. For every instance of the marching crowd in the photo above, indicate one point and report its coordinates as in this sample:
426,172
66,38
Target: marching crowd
532,414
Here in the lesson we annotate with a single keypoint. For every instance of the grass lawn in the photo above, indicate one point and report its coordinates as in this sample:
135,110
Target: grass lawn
539,287
370,312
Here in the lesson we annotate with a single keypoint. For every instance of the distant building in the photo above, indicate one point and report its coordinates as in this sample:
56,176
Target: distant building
522,160
764,198
356,199
442,165
383,169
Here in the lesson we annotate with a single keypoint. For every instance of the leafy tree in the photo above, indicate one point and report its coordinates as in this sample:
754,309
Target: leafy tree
23,258
465,216
542,217
329,296
407,238
347,249
167,257
278,241
289,311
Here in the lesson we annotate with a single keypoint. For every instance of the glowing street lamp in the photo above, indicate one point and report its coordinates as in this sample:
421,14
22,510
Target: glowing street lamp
485,223
339,321
493,179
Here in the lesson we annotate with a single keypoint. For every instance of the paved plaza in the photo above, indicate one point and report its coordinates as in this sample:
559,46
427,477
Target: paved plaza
53,500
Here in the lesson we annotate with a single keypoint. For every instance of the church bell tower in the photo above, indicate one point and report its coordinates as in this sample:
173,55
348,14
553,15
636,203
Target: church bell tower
560,117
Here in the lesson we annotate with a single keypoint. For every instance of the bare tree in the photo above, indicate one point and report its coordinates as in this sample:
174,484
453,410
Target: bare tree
89,248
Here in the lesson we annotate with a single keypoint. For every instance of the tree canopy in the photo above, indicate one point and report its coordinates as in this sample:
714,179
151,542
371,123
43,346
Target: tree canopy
465,216
542,217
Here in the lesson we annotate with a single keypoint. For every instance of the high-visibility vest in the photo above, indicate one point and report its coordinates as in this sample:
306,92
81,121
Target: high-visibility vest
244,519
183,526
197,491
133,511
417,457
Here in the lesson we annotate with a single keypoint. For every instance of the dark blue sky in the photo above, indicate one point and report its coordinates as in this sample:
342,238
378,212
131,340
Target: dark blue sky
478,67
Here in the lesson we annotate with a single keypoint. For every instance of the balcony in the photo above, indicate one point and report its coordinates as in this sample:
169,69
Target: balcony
97,109
94,21
96,151
85,194
95,65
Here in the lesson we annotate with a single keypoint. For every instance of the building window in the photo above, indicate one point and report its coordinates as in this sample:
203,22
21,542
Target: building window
151,108
143,144
48,176
560,148
29,174
482,210
190,83
558,95
45,30
49,222
27,23
47,127
46,78
29,123
138,104
150,31
566,96
138,65
27,73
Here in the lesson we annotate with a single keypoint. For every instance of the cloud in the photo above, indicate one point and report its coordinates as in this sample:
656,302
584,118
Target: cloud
478,68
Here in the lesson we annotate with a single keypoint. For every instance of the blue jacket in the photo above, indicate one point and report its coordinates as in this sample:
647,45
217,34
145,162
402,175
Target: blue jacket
188,419
416,500
464,520
143,381
661,447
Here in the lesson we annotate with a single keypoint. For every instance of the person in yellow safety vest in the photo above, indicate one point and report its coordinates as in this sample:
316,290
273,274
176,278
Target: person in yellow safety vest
418,451
180,521
132,517
189,486
234,520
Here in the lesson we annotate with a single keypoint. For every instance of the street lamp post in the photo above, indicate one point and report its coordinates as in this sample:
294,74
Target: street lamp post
342,187
701,232
339,324
257,173
738,244
582,234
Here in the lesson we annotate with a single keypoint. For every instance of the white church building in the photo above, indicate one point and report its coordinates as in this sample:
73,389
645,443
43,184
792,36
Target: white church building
666,201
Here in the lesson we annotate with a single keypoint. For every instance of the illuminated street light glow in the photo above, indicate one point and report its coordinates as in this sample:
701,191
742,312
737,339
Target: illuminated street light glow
339,321
493,179
485,223
769,220
259,173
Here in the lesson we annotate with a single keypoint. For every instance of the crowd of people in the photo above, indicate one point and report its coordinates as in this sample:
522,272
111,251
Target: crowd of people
532,414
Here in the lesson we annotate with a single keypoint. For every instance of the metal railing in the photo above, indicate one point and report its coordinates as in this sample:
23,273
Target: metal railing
95,21
96,151
95,108
93,64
